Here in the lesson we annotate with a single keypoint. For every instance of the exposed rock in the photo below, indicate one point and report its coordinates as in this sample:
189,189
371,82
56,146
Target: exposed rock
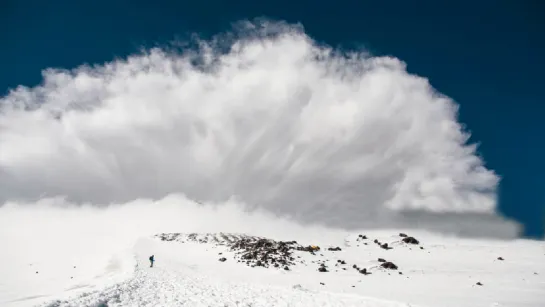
403,235
334,249
385,246
381,260
264,252
322,269
389,265
500,258
223,259
479,283
410,240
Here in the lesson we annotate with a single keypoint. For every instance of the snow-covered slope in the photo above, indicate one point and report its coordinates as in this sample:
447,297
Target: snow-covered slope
438,271
260,131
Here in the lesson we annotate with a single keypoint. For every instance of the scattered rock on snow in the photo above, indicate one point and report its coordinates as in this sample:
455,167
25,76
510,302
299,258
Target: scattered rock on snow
389,265
381,260
223,259
385,246
364,271
500,258
410,240
403,235
264,252
334,249
322,269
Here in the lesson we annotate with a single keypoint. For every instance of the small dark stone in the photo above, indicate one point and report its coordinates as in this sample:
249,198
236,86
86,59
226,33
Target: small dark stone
403,235
421,247
286,268
363,271
322,284
410,240
400,273
500,258
389,265
322,269
479,283
381,260
223,259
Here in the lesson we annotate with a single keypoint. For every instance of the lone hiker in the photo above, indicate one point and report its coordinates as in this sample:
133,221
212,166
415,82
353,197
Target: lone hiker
151,260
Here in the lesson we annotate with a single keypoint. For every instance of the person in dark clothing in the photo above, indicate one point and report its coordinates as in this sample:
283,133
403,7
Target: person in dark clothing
151,260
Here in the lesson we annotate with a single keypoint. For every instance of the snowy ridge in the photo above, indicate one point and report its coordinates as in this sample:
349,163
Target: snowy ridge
215,238
163,287
207,269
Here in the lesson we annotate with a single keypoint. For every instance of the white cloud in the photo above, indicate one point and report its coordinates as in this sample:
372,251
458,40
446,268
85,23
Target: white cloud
278,122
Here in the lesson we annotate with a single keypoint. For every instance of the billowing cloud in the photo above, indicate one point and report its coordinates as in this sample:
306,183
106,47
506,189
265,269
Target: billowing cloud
275,121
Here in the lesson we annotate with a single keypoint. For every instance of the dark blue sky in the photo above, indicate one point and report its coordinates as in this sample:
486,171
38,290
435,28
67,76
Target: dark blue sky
487,55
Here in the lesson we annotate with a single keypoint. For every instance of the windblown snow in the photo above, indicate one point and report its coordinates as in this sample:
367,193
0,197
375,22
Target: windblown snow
260,132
